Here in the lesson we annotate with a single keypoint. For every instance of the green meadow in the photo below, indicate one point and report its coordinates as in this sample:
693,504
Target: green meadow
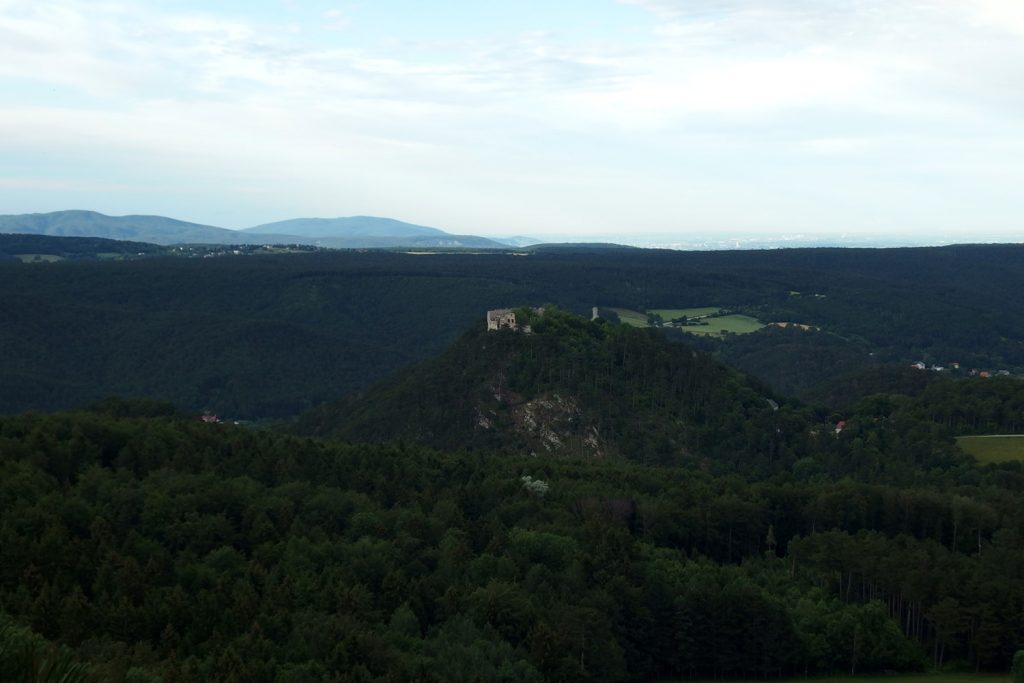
994,448
630,317
39,258
672,313
716,325
736,324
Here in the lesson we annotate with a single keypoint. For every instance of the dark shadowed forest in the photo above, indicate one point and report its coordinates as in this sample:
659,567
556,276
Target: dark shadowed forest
586,502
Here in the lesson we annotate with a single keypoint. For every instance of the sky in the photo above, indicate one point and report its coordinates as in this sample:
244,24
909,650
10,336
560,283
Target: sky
574,118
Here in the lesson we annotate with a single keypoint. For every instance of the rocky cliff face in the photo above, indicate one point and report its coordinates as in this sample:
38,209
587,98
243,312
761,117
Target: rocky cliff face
552,423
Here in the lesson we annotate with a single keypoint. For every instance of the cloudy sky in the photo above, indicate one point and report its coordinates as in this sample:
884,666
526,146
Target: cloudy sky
575,117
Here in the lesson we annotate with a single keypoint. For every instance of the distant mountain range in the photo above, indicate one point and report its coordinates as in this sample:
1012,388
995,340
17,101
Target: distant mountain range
362,226
352,232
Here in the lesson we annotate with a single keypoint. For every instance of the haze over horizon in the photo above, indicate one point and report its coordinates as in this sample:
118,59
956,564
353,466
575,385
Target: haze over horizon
699,120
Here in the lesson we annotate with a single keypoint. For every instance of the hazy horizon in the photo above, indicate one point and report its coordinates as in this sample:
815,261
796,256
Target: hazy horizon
711,120
693,241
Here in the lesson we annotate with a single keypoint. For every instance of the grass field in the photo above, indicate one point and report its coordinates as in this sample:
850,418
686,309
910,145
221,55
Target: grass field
737,324
670,313
634,318
39,258
895,678
995,448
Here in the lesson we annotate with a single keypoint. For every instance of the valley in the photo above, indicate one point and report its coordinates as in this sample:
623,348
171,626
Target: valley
271,336
410,495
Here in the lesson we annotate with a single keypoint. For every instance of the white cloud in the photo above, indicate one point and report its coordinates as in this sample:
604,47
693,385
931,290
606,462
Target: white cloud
336,19
1001,15
730,86
543,121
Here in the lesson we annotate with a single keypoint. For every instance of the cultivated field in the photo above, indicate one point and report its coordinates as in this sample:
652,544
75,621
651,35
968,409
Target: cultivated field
670,313
737,324
993,448
716,325
634,318
39,258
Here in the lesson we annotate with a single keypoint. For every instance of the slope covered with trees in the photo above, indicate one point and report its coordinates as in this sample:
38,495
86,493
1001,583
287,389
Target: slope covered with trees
14,246
157,547
573,387
271,336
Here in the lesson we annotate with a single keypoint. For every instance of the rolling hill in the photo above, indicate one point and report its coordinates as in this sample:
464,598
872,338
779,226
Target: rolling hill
32,247
358,232
367,226
570,387
371,231
152,229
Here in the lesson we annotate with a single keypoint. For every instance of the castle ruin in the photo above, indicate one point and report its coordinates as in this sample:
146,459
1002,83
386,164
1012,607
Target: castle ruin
505,318
500,318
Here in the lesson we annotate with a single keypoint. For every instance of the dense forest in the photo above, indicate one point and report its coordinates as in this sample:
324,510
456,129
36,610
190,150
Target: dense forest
572,387
594,390
271,336
589,501
26,246
151,546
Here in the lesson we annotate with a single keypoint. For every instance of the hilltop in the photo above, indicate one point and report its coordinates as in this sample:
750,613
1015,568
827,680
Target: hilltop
368,226
153,229
570,387
371,231
357,232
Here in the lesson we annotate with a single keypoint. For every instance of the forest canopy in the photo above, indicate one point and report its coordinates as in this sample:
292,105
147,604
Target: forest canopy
717,528
272,336
168,548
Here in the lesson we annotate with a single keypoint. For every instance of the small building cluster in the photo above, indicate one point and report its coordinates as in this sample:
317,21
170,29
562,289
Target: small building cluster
955,366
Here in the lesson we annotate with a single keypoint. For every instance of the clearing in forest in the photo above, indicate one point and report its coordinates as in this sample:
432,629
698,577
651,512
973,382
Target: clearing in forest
993,447
672,313
630,317
735,323
39,258
710,322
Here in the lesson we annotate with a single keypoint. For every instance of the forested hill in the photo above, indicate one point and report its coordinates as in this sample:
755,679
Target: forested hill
355,232
274,335
152,229
570,387
44,247
156,547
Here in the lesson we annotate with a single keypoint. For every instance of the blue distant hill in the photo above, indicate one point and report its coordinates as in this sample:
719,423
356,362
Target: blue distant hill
356,232
369,226
152,229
